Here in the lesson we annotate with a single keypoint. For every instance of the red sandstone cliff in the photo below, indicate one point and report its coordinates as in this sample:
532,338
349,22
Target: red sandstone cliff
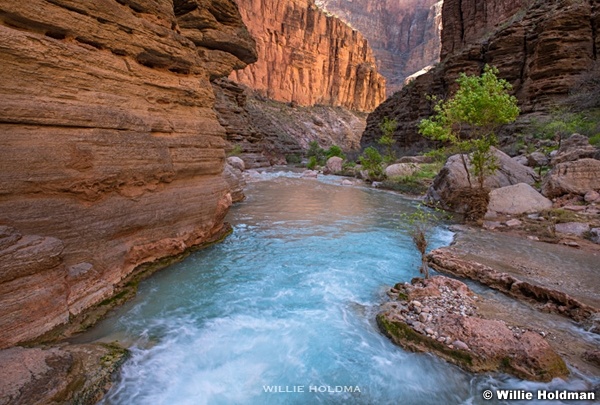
542,47
111,154
404,34
309,58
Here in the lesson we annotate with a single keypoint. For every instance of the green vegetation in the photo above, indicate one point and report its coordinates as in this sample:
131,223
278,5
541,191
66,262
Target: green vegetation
318,156
416,183
372,161
312,163
236,150
334,150
293,159
387,140
469,119
562,123
315,154
419,225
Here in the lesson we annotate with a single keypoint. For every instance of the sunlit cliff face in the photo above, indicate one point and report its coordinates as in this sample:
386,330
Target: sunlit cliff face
404,34
308,57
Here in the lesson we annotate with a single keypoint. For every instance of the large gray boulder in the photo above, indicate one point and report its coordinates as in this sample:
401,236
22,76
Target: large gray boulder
518,199
453,177
236,162
401,170
575,148
235,179
334,165
578,177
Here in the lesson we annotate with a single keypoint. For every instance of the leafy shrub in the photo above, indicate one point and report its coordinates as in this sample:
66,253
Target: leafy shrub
334,150
372,161
236,150
314,150
293,159
312,163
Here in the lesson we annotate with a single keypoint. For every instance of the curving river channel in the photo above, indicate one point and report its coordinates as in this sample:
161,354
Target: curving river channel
282,312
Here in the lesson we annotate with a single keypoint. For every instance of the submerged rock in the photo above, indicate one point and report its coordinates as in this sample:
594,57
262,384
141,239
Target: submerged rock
457,334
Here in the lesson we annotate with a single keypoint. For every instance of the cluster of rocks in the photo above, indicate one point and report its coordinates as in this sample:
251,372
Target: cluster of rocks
439,315
571,184
424,315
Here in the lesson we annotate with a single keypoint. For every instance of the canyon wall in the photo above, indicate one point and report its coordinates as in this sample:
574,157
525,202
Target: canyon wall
307,57
543,48
111,154
268,132
404,34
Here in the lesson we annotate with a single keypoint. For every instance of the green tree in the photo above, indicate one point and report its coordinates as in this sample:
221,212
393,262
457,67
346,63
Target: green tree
314,150
334,150
387,140
468,121
419,225
371,160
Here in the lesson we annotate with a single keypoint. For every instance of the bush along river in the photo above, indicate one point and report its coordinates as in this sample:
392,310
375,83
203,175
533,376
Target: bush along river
283,311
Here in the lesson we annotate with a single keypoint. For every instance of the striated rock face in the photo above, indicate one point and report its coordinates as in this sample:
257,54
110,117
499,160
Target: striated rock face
308,58
267,132
111,154
543,48
404,34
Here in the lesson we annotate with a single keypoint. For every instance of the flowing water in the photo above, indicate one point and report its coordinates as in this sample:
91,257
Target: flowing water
282,312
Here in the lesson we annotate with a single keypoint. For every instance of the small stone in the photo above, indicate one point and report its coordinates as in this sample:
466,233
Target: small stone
491,225
574,208
591,196
448,340
429,331
417,304
513,223
530,237
423,317
595,235
460,345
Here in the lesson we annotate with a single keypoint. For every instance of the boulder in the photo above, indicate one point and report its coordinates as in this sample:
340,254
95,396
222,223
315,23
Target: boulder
522,160
595,235
575,148
236,162
537,159
235,179
415,159
401,170
572,228
577,177
591,196
310,174
453,177
518,199
334,165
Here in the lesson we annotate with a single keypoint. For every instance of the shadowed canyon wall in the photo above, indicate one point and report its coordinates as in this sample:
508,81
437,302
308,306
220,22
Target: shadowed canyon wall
404,34
111,154
543,48
309,58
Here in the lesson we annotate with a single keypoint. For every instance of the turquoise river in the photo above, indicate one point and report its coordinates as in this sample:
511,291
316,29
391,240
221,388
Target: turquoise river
282,312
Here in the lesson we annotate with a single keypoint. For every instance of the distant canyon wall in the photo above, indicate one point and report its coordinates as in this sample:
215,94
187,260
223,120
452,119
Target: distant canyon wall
404,34
307,57
111,154
543,48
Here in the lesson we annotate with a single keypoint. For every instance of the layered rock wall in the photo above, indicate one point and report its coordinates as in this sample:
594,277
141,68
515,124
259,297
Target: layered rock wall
308,58
404,34
543,48
111,154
